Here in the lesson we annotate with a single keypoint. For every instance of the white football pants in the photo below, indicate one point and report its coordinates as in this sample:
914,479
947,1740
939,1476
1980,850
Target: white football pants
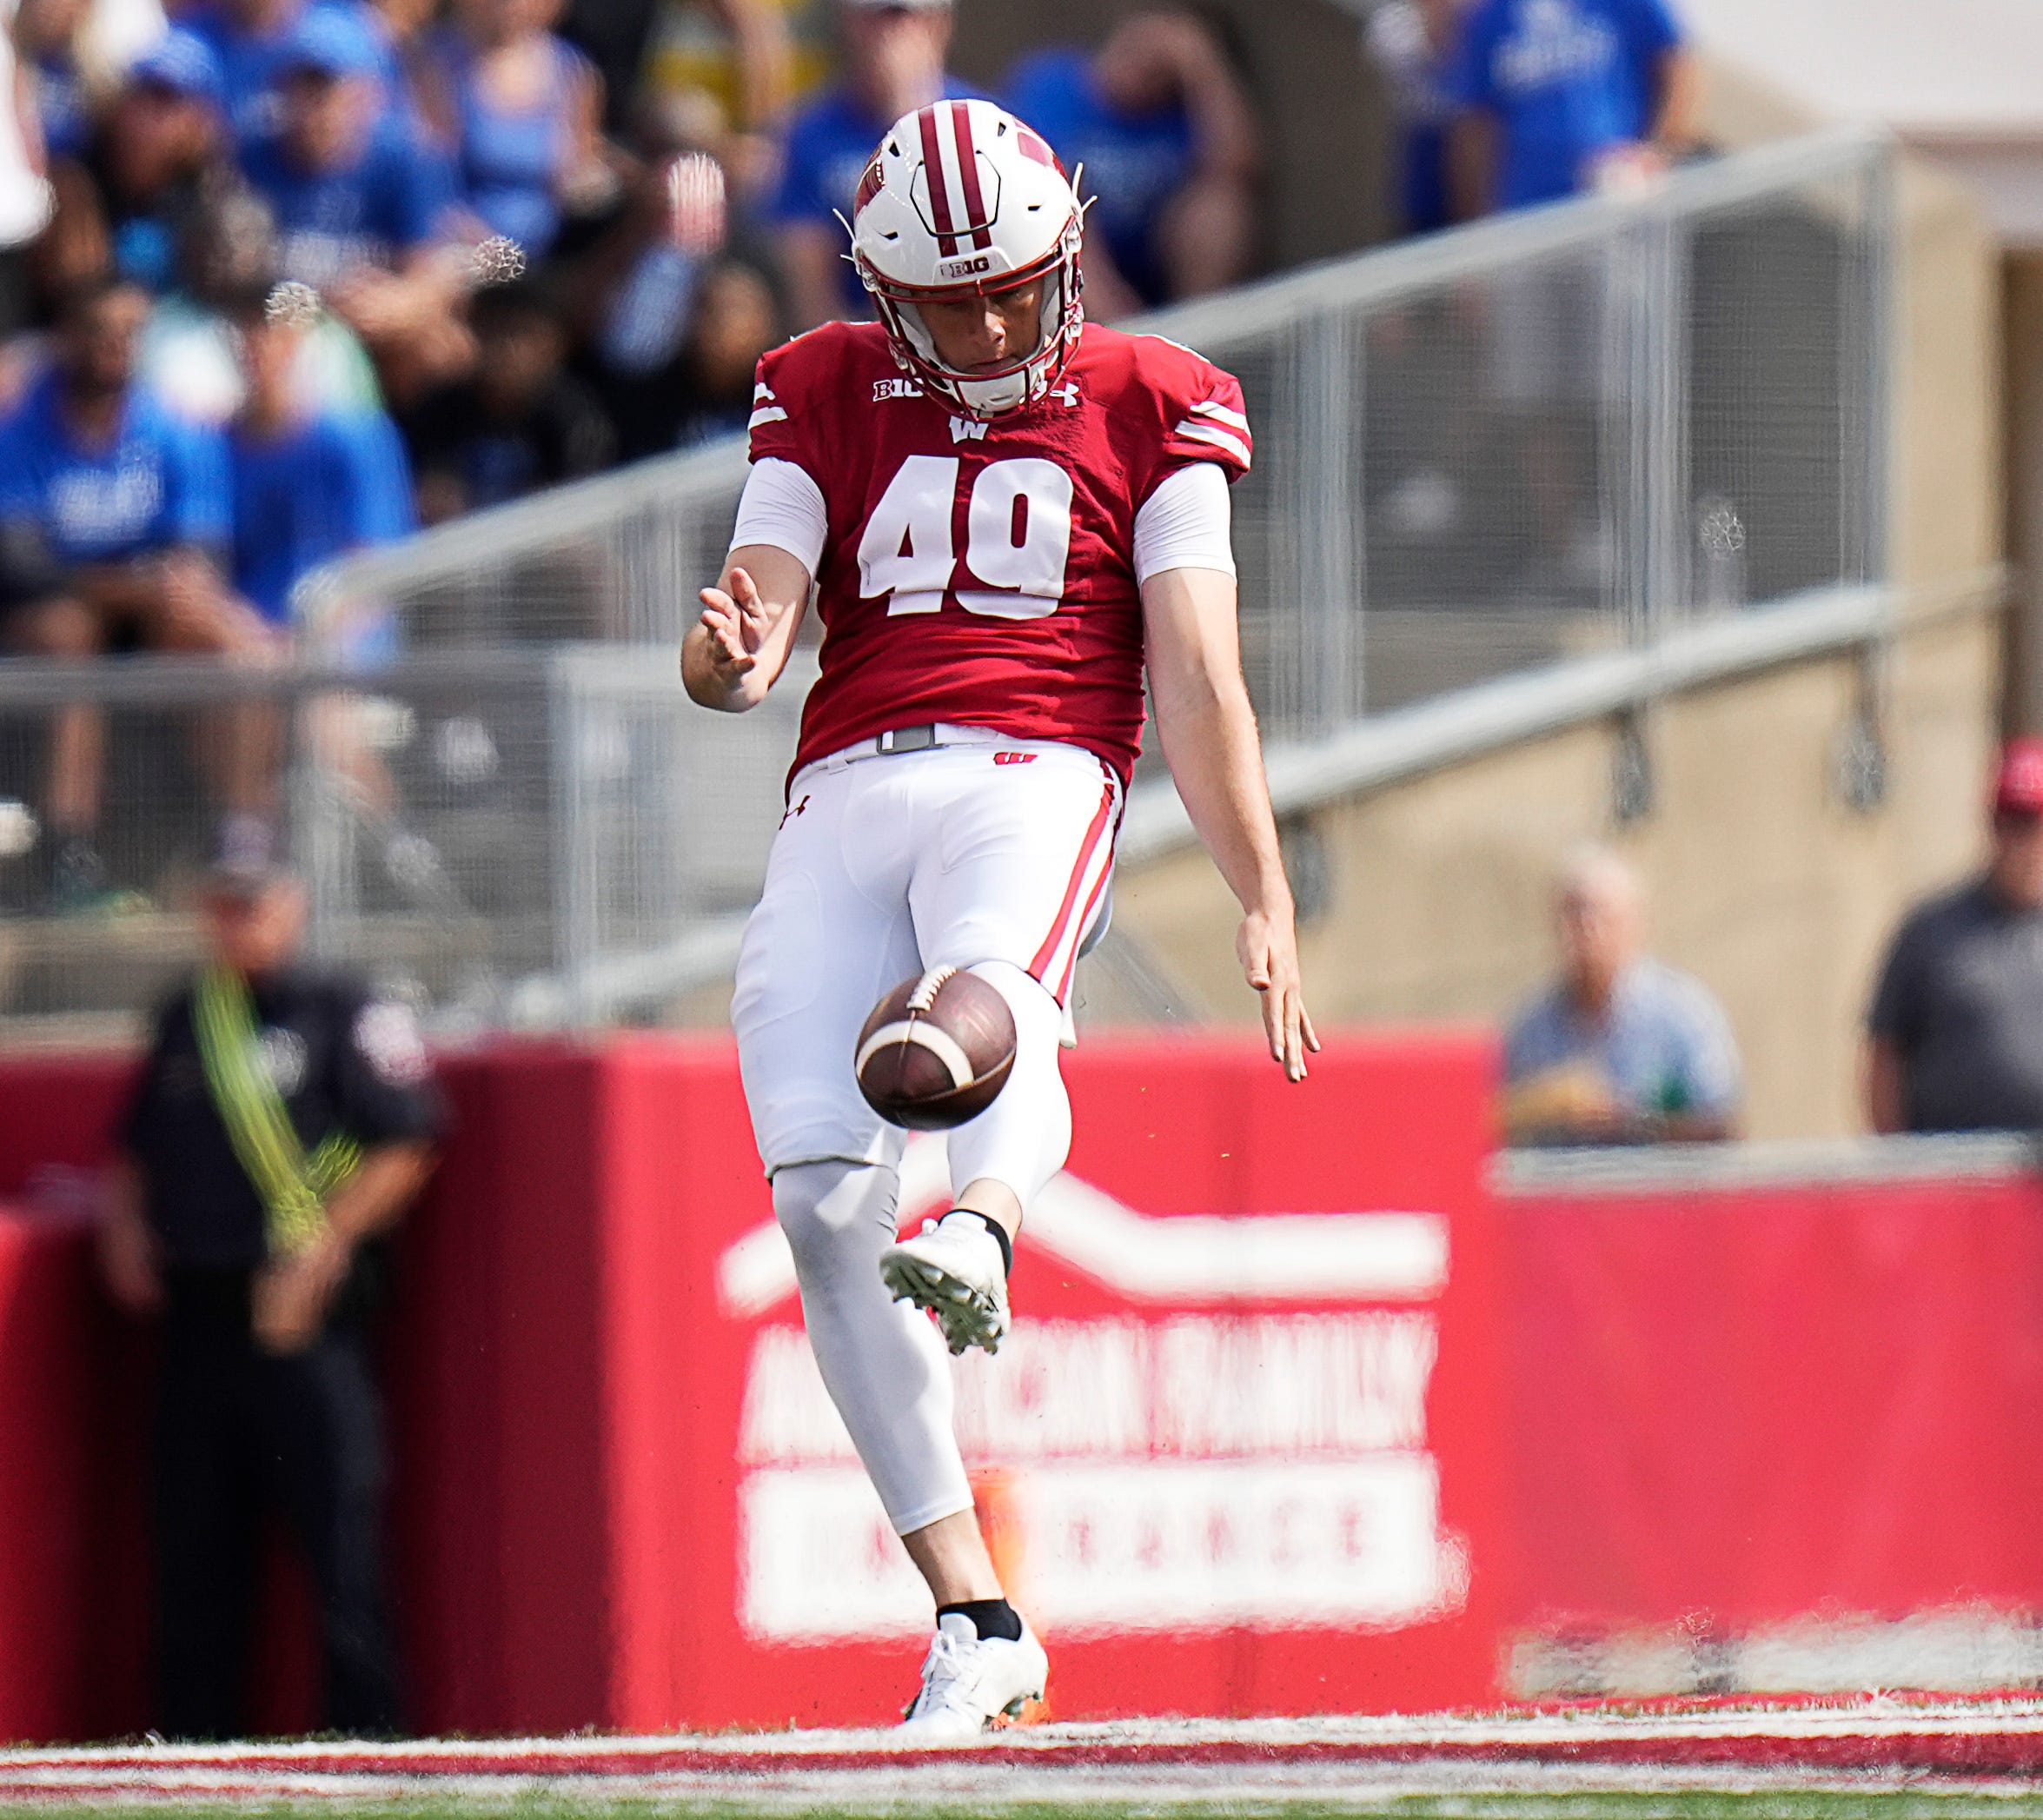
986,853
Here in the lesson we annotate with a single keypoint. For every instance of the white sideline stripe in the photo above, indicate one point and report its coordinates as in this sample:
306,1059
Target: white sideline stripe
1212,432
765,414
1869,1718
939,1043
1390,1257
1212,408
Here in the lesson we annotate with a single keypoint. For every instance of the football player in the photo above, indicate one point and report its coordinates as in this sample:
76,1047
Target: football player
1004,513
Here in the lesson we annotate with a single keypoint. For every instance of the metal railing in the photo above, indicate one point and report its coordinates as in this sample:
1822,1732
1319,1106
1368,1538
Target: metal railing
1549,434
515,837
1634,431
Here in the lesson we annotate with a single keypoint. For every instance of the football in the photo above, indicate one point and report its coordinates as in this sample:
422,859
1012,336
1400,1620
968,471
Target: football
936,1051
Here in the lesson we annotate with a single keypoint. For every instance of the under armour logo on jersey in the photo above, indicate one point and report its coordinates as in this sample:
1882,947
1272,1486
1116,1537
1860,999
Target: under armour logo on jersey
884,389
1067,394
968,429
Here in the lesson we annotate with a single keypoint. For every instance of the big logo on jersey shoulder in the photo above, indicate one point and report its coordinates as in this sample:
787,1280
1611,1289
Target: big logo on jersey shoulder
884,389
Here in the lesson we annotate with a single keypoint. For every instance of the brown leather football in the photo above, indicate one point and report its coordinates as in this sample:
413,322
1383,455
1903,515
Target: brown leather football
936,1050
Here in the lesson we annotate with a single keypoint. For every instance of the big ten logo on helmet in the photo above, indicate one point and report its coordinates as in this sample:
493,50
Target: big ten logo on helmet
965,267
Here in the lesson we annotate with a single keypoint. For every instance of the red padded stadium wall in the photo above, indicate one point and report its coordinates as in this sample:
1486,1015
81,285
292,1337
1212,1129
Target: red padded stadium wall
1193,1127
567,1387
1741,1406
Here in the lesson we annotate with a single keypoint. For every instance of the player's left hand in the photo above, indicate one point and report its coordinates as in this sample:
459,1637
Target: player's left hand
1268,950
737,623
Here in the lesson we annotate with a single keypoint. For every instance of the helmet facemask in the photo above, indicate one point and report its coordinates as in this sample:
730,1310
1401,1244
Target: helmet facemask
990,393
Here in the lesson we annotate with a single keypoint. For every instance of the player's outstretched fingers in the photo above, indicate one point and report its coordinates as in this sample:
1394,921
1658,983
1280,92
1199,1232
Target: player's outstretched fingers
751,609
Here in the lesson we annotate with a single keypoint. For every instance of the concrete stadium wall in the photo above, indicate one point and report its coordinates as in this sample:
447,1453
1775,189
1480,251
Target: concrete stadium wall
1764,882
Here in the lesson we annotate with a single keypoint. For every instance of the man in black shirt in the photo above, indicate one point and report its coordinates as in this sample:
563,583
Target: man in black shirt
1957,1022
282,1120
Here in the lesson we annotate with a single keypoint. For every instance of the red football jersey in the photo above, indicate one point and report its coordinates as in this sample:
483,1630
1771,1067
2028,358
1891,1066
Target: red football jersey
983,573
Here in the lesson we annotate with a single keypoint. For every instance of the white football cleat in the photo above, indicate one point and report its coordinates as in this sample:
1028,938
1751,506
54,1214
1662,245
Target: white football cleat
967,1680
954,1268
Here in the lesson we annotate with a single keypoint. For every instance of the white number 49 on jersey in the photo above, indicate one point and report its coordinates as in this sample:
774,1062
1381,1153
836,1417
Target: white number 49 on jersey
1018,536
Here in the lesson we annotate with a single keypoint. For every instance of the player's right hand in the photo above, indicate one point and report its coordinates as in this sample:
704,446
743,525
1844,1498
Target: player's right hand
737,623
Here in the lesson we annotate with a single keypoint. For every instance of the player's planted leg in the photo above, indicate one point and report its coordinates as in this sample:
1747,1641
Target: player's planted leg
883,1367
957,1268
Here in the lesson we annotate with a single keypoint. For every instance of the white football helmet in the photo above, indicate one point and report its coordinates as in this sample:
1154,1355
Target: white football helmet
960,199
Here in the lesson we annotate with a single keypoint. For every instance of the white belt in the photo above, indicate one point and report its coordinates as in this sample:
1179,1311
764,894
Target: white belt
925,738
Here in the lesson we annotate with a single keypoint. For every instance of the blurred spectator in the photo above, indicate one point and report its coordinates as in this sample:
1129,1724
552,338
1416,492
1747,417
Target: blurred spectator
1413,43
521,112
520,422
190,354
727,65
364,206
282,1120
736,321
309,484
1566,95
255,41
1957,1021
1620,1049
160,153
24,192
894,63
1170,149
114,515
46,39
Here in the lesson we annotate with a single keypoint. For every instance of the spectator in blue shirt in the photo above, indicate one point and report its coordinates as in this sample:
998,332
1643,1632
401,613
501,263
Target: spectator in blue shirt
1413,43
310,484
1620,1049
1170,149
114,516
521,111
894,63
364,206
1562,96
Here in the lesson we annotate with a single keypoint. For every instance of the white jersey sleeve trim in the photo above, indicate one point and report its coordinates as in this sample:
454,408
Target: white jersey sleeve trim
782,507
1184,523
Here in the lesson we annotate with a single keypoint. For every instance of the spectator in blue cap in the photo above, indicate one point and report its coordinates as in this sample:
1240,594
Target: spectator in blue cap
253,38
363,205
159,155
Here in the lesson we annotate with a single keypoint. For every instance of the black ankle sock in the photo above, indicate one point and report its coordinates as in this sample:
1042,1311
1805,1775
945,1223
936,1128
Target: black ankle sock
990,1618
1000,1234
